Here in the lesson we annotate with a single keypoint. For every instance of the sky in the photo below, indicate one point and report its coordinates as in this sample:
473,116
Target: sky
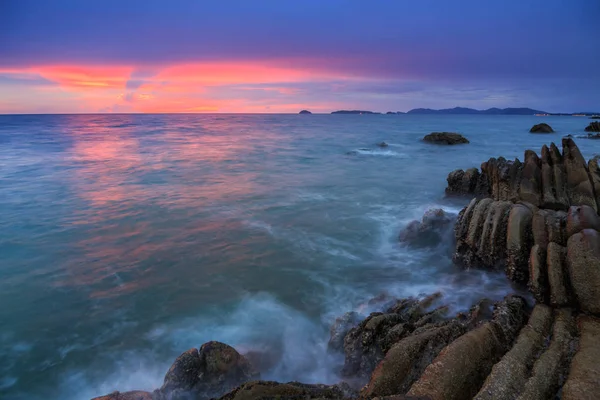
271,56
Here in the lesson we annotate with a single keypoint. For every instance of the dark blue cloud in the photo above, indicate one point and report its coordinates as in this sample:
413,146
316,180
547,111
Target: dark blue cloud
549,38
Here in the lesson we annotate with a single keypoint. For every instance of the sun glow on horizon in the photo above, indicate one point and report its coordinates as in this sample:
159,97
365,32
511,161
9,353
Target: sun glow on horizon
188,87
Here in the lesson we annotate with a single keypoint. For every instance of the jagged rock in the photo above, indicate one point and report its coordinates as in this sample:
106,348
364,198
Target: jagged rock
541,128
291,390
583,262
435,224
530,188
503,177
559,178
366,344
593,127
508,377
135,395
519,240
580,218
537,273
594,171
461,367
579,186
552,364
363,344
209,372
407,359
557,275
469,182
448,138
583,382
340,328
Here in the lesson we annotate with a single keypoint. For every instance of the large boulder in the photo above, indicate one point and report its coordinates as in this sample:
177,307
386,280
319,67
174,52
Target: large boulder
593,127
433,227
211,371
541,128
449,138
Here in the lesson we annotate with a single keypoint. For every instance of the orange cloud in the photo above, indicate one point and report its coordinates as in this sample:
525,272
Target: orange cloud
192,87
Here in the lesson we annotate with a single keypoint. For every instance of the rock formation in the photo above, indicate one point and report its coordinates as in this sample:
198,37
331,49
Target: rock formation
593,127
538,221
541,128
448,138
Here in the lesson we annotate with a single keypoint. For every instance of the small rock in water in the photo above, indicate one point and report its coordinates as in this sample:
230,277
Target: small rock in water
449,138
541,128
382,144
593,127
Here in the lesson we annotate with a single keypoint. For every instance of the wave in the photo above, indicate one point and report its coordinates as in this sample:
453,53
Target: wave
376,152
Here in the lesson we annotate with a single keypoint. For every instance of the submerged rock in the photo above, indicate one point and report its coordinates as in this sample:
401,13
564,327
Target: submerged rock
382,144
541,128
449,138
430,231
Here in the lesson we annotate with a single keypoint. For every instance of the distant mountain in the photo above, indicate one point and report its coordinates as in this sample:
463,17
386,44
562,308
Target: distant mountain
392,112
354,112
489,111
304,112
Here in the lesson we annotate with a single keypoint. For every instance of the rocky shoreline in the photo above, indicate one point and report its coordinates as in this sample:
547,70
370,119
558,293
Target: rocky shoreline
537,221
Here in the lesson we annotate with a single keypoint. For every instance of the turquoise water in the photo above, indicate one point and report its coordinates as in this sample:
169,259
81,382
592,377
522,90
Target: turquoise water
128,239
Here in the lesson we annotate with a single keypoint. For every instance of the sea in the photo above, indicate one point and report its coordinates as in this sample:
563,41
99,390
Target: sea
126,240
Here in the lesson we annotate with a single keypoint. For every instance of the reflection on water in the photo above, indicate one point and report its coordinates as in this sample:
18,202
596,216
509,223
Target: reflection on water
127,239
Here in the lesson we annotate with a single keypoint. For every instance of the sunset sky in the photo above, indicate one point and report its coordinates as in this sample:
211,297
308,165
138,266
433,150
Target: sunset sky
73,56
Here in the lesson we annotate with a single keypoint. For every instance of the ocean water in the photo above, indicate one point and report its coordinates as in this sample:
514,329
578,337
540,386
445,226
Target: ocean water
128,239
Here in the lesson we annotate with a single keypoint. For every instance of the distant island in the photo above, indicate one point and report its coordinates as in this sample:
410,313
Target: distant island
489,111
304,112
354,112
470,111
